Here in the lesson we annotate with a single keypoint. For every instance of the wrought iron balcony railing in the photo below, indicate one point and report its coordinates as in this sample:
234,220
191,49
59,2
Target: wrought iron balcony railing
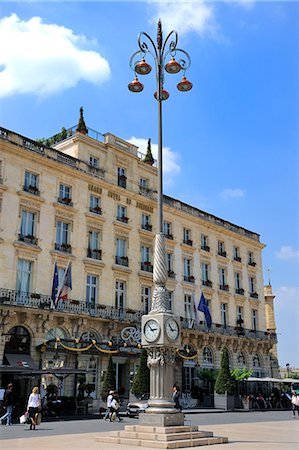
66,248
122,261
96,210
188,242
223,254
65,201
254,294
237,258
171,274
206,248
224,287
147,266
122,219
31,189
207,283
168,236
16,299
28,239
147,226
239,291
189,278
94,253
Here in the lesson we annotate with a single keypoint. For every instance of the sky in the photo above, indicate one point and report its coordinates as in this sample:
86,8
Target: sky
230,144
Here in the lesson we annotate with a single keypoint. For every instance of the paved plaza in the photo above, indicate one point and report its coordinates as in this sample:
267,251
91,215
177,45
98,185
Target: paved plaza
246,431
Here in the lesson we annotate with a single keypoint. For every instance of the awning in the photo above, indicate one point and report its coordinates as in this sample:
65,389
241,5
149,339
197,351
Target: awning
265,380
20,361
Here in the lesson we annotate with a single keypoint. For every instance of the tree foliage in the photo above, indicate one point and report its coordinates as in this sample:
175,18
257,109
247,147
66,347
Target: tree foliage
141,381
207,374
225,382
241,374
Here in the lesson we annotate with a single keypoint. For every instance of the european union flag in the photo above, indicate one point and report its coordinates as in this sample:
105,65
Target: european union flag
55,284
203,307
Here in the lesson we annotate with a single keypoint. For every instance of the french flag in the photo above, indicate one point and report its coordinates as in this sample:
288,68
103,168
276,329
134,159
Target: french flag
66,284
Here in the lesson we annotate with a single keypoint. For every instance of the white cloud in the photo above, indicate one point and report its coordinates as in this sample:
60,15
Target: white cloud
170,159
185,17
227,194
45,58
287,253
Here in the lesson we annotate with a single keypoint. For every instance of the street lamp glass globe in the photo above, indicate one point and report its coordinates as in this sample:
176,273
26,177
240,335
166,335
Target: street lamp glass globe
142,68
184,85
173,66
165,95
135,86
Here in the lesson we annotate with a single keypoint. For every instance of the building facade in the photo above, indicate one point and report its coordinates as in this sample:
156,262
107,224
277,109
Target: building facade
90,199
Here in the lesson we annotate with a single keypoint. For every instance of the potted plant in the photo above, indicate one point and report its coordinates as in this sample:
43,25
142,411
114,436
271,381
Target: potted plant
225,385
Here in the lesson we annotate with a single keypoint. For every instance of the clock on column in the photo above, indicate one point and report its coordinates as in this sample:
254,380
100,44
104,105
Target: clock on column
151,330
172,329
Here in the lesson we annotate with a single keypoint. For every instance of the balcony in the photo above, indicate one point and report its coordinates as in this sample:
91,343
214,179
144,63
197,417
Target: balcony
65,248
189,278
188,242
238,259
122,181
65,201
238,332
254,294
171,274
94,253
122,219
122,261
207,283
206,248
16,299
239,291
221,253
147,226
168,236
28,239
96,210
147,266
251,263
31,189
224,287
145,191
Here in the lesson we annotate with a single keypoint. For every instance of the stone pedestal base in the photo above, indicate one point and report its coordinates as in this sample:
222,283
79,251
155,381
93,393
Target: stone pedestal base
161,420
161,437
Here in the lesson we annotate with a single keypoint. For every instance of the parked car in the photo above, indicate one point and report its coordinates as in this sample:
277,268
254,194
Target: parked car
138,406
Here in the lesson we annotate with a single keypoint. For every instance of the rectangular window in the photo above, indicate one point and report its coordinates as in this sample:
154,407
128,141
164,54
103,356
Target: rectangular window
254,319
146,298
222,277
251,259
187,236
239,313
24,275
188,307
238,284
31,181
121,177
205,242
251,285
187,269
224,314
237,256
121,247
122,213
169,262
1,171
145,254
221,249
93,250
62,232
204,272
146,222
65,192
93,161
167,227
92,287
28,221
120,294
95,204
143,186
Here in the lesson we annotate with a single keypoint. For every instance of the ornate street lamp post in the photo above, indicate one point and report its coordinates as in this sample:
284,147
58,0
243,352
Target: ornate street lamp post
161,333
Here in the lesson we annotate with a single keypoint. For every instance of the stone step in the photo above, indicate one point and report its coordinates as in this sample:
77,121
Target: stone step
164,430
164,437
163,445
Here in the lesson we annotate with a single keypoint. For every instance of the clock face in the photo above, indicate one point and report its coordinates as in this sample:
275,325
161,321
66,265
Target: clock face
172,329
151,330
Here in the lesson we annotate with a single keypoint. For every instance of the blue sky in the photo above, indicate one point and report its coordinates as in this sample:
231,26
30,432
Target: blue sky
231,144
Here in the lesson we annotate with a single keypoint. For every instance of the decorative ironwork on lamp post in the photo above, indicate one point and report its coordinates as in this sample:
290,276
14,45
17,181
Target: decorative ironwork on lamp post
159,52
160,328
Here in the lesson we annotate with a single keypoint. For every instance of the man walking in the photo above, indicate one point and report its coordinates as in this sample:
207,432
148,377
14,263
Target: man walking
8,404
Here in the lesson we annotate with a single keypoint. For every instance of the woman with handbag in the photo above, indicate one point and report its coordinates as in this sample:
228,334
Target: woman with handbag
34,407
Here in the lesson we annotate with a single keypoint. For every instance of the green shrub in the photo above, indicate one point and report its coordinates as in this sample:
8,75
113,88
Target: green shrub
224,382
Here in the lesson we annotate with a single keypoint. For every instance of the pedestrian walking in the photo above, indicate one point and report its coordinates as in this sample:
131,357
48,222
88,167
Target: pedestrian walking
109,400
114,408
176,394
34,407
8,404
295,404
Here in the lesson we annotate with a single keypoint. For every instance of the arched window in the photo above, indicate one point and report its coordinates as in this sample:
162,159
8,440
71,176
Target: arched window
241,360
256,361
54,333
18,341
207,356
89,336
